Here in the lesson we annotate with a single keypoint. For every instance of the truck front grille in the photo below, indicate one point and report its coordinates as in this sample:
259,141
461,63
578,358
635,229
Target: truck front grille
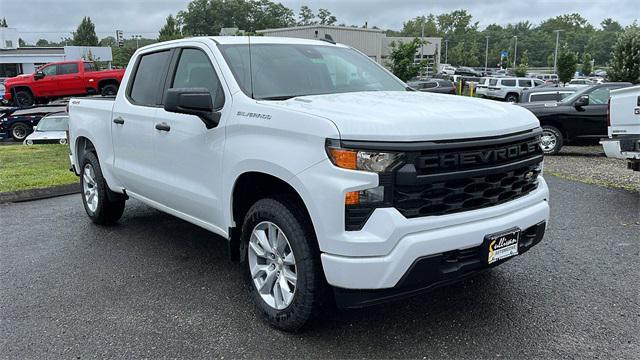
467,175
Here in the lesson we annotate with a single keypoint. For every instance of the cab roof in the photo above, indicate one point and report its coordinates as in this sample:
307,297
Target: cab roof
230,40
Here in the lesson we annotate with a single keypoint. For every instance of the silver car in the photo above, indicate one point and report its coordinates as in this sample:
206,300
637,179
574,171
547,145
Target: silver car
51,129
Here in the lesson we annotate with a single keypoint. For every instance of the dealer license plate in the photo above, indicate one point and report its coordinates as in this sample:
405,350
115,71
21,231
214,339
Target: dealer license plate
502,245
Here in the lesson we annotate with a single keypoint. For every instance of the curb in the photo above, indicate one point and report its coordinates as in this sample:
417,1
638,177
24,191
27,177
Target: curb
38,194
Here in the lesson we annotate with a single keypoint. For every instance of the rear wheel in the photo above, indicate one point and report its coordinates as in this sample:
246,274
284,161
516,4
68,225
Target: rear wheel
551,140
281,263
19,131
101,204
24,98
511,97
109,90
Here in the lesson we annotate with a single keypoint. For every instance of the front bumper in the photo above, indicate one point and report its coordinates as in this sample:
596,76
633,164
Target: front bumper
412,239
434,271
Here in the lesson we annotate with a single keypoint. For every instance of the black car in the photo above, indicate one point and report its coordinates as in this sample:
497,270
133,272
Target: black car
18,123
467,71
582,115
441,86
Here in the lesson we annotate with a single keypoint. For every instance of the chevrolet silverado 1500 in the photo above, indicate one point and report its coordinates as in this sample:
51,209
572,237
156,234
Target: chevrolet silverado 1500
327,175
56,80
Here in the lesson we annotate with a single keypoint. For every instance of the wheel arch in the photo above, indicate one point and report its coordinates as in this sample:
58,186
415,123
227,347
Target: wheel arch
250,187
557,124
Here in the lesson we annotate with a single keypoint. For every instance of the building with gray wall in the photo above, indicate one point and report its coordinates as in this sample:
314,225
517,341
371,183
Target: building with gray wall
372,42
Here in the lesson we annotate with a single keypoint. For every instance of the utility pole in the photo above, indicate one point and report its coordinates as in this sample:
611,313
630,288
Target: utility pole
486,55
446,51
555,57
422,41
515,51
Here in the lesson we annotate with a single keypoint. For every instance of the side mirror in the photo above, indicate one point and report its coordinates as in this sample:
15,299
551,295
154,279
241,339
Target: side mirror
582,101
39,75
195,101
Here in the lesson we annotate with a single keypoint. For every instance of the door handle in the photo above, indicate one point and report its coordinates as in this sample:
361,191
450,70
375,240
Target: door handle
163,127
119,120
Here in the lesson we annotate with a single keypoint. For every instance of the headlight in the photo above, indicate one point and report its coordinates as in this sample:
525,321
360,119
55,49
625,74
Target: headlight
365,160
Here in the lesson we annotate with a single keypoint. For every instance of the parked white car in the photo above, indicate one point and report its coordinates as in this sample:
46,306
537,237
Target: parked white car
448,70
624,126
510,88
51,129
481,87
323,171
580,82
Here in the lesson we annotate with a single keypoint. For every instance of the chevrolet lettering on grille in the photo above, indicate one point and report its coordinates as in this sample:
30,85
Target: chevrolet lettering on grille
477,157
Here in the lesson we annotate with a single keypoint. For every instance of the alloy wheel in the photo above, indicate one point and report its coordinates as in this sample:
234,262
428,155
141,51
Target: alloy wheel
272,265
548,141
90,188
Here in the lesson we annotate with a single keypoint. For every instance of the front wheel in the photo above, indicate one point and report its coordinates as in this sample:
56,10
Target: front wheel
102,205
551,140
24,98
281,263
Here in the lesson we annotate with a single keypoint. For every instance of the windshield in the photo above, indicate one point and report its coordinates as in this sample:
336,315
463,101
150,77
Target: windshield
53,123
282,71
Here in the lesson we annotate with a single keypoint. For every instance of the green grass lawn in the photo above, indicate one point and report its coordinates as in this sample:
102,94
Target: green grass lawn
33,167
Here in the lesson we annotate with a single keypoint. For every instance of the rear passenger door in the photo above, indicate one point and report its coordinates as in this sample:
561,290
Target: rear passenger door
69,80
133,121
188,155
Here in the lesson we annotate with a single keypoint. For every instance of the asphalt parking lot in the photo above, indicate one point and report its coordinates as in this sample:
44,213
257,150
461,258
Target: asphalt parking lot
157,287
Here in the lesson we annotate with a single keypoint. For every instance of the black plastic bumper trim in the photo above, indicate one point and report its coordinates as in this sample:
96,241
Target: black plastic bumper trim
434,271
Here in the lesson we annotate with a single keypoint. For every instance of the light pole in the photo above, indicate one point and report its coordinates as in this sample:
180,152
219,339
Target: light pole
486,55
137,38
515,51
555,56
446,51
422,41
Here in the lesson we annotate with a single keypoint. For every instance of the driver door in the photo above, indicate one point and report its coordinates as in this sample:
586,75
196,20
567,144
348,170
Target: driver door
188,156
47,86
593,117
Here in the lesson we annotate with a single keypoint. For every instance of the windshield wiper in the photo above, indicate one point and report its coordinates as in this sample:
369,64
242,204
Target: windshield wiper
281,97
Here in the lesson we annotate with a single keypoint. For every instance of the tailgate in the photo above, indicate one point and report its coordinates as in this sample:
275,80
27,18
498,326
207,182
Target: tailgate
625,111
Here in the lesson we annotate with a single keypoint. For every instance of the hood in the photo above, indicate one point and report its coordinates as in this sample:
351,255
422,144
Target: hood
46,135
539,108
412,115
17,79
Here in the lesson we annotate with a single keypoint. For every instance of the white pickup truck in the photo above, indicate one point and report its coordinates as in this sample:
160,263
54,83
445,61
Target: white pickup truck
327,175
624,126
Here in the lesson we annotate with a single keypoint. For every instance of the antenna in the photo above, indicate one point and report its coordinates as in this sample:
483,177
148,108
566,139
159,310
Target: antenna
250,68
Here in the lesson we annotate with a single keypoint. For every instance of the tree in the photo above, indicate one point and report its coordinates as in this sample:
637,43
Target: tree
85,35
22,43
586,64
121,56
326,18
523,67
402,59
42,43
171,30
3,23
108,41
567,64
625,63
306,16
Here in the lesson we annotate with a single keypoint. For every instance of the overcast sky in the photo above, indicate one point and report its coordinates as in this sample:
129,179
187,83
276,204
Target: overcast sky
53,19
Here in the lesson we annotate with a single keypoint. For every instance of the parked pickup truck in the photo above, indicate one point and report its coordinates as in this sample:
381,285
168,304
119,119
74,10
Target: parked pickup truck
326,174
56,80
623,141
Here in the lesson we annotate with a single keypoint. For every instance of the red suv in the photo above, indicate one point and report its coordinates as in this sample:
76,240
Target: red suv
60,79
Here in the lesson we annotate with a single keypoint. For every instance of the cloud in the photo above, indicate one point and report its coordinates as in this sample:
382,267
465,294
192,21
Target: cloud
53,19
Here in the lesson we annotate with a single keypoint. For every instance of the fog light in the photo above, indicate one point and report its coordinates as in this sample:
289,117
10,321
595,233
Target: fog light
365,197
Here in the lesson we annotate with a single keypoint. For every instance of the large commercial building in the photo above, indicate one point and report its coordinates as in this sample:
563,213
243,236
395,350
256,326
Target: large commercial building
372,42
15,60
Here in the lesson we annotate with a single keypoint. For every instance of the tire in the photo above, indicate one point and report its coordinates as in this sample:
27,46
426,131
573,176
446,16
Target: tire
308,294
24,98
109,90
102,205
19,131
551,141
511,97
